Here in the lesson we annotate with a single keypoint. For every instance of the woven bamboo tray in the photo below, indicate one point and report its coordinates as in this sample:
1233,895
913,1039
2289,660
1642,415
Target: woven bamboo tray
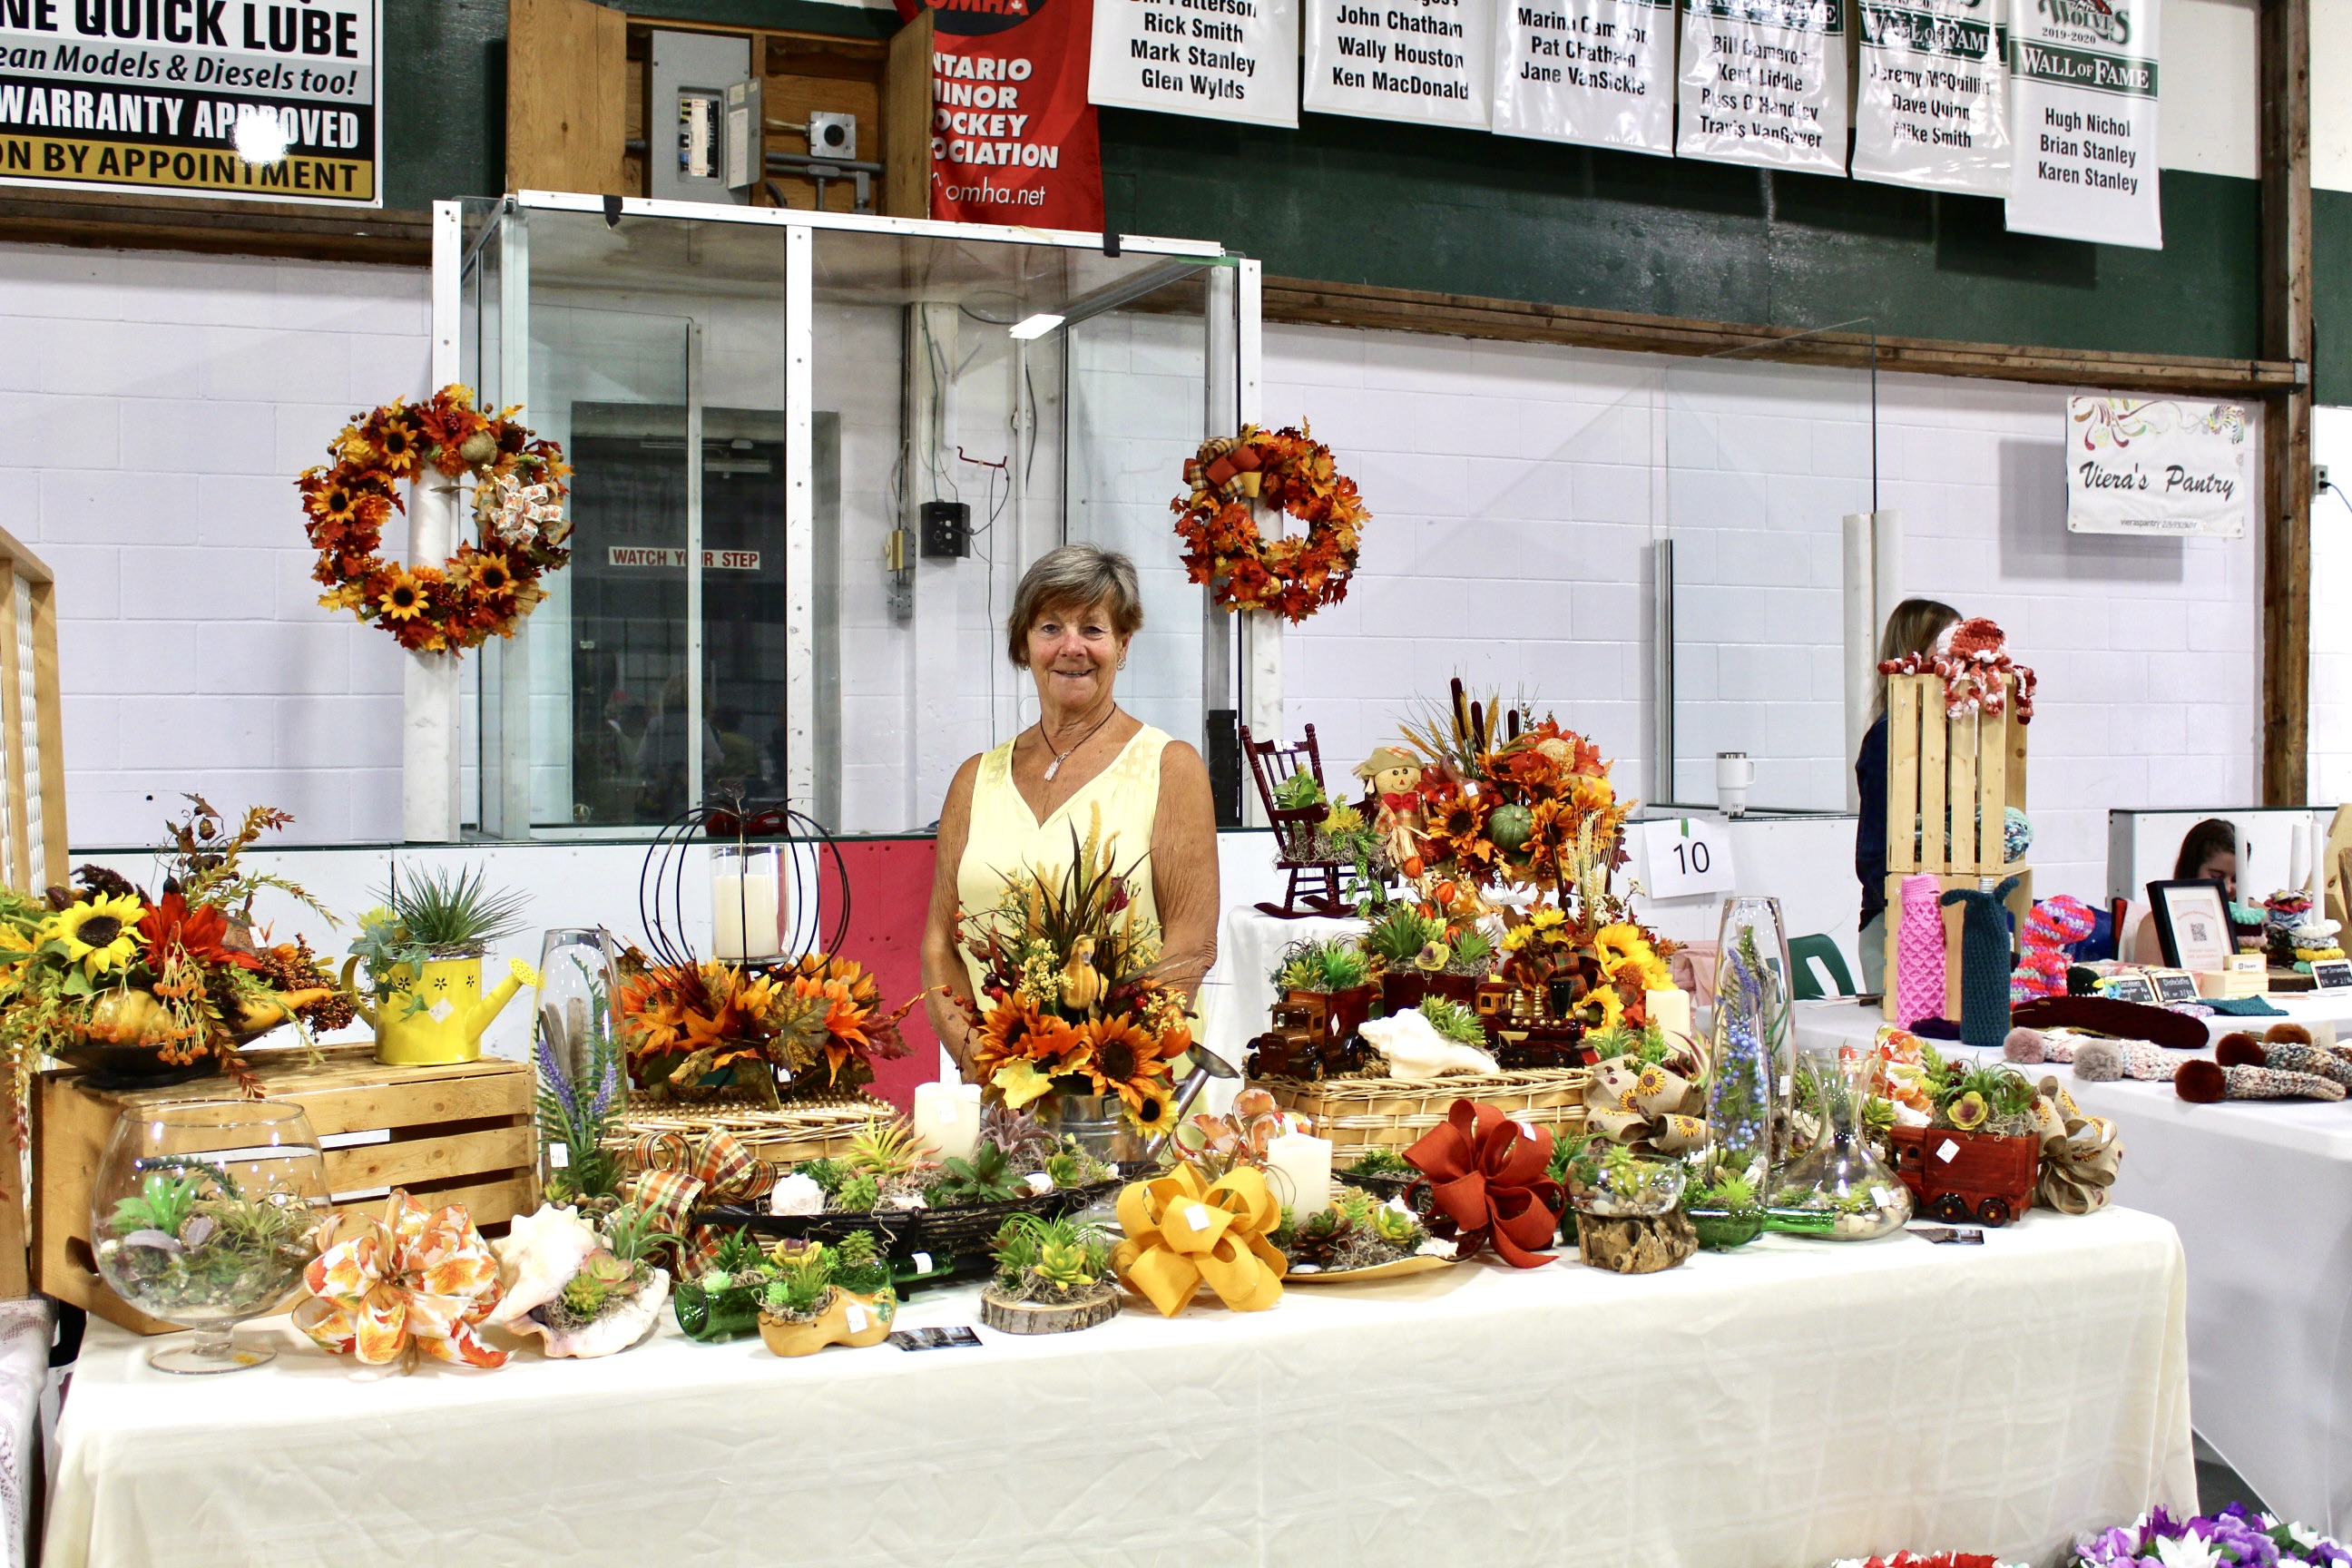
785,1135
1360,1114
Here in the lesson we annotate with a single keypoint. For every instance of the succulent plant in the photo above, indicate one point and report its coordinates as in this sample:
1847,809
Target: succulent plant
1474,951
1453,1021
1048,1259
1397,937
828,1175
163,1203
858,1265
1397,1227
1027,1142
858,1194
986,1177
1382,1163
884,1148
1297,791
1319,1239
602,1282
1063,1265
800,1289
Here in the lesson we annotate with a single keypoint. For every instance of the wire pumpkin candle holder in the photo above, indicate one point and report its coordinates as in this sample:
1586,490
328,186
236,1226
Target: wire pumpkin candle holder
812,864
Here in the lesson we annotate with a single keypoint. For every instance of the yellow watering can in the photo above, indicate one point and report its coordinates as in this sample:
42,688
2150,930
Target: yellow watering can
436,1018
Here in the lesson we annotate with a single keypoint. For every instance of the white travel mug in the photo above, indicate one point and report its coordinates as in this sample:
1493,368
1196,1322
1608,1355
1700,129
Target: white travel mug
1734,772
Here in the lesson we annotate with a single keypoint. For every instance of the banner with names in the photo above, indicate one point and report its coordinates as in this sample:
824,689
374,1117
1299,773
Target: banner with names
1420,60
1596,72
1933,109
174,97
1219,59
2083,107
1764,81
2153,465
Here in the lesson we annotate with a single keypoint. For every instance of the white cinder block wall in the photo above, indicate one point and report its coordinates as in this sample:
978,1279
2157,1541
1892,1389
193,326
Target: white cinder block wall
153,407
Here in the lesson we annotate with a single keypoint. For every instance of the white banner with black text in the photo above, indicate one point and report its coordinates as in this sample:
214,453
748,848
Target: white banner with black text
2083,104
1219,59
1597,72
1422,60
1764,81
1932,111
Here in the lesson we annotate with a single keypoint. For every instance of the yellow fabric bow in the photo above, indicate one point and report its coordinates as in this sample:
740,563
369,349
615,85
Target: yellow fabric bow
1645,1106
1183,1230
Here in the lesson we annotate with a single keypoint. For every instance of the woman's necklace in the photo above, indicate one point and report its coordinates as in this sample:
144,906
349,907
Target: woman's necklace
1056,765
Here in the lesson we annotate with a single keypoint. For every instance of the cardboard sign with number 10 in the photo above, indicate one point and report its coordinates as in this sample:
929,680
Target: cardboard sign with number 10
1686,856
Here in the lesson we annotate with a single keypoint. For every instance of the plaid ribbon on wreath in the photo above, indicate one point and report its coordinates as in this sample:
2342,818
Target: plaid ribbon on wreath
677,1174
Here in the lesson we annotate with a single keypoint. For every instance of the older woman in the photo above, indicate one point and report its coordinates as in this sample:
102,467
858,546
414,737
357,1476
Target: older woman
1075,612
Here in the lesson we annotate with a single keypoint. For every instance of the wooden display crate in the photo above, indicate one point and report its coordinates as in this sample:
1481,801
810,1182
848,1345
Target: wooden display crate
458,1134
1949,783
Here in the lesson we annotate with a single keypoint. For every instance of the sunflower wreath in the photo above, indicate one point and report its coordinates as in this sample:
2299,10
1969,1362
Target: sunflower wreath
1292,575
483,589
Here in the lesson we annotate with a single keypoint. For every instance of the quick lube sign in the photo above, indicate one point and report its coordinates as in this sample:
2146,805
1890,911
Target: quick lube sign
217,98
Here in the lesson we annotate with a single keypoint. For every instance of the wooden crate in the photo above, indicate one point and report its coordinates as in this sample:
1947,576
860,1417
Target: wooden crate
1949,783
458,1134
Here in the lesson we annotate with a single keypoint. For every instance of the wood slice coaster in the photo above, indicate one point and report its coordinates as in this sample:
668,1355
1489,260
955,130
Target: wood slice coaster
1007,1316
1641,1246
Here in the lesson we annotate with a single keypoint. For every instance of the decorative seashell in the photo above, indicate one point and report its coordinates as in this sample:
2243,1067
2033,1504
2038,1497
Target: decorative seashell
1416,1050
541,1254
616,1331
796,1194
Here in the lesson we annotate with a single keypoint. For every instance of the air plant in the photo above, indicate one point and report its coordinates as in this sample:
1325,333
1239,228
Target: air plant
1027,1142
883,1150
1453,1021
1397,937
576,1115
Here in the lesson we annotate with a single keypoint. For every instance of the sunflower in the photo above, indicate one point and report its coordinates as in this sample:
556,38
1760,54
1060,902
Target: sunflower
1625,946
1153,1110
99,935
405,600
492,577
398,446
1013,1033
335,504
1128,1061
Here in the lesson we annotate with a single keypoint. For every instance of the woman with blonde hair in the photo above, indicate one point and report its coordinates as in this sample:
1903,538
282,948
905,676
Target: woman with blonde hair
1012,807
1912,629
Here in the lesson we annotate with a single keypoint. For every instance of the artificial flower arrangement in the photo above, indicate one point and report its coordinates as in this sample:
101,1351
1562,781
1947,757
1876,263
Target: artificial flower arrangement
479,591
720,1296
104,975
2233,1536
1357,1232
1051,1275
1978,1156
819,1295
577,1113
1940,1559
886,1169
189,1245
798,1030
1291,575
1069,1002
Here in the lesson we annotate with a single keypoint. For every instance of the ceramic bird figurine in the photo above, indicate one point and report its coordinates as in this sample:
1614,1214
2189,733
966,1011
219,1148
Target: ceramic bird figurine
1082,982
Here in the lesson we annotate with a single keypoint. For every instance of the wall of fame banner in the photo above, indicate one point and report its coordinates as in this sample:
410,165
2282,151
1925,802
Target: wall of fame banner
2083,96
1932,111
1764,81
1423,60
118,95
2136,465
1220,60
1013,139
1597,72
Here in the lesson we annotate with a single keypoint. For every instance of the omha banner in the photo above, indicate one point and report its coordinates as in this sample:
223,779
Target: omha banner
1013,136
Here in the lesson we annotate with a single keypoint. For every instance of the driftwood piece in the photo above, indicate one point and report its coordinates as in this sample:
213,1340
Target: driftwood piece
1007,1316
1635,1245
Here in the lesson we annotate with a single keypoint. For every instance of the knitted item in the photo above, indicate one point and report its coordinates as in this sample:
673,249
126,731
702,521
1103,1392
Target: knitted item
2105,1015
2055,925
2103,1062
1919,954
2204,1082
1984,963
2235,1050
2241,1007
2030,1046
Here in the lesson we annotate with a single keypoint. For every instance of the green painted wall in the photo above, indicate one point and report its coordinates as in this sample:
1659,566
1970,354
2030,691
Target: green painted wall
2331,308
1466,213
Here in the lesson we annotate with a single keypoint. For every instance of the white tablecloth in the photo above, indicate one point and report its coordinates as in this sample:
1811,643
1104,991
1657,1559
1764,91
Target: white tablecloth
1773,1408
2261,1192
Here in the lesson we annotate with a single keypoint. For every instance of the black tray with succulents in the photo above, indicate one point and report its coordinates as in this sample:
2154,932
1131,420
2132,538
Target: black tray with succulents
965,1201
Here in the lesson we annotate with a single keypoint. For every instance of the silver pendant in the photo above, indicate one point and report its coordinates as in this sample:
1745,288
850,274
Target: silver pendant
1053,767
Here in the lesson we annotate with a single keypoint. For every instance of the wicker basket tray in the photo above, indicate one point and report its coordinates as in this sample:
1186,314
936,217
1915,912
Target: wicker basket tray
962,1230
781,1136
1360,1114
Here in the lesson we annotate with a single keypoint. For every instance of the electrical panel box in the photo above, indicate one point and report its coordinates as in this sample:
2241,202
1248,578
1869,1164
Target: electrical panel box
946,530
702,119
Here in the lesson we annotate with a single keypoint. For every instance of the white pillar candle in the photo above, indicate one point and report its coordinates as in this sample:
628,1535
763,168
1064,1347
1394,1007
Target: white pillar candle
746,913
1670,1010
1300,1167
947,1118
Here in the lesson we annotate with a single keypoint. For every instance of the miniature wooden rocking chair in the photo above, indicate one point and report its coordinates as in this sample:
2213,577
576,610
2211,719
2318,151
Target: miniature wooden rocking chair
1295,830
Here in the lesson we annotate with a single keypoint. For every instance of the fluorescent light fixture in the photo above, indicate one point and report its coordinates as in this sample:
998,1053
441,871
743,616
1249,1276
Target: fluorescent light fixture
1035,327
260,138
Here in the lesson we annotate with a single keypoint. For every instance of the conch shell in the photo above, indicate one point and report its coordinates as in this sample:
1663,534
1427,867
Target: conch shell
1416,1050
616,1331
541,1254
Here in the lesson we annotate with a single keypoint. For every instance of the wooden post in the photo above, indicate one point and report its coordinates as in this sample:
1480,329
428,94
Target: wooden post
567,97
906,121
2286,424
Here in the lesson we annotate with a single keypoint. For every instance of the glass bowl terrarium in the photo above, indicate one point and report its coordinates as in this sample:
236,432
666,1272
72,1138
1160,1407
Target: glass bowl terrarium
1838,1190
202,1215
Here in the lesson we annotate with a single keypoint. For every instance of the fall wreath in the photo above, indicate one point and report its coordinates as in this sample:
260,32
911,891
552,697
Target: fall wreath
1292,575
482,589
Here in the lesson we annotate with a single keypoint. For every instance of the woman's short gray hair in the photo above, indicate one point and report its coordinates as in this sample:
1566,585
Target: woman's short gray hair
1075,577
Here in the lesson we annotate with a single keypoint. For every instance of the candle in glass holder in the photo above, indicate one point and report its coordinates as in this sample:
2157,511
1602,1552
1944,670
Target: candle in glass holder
947,1117
1299,1168
747,905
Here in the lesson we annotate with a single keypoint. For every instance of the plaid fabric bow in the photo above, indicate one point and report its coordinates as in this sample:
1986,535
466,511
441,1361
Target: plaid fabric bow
1486,1173
677,1175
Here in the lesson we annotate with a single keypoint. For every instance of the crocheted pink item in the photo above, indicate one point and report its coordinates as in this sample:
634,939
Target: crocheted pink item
2097,1061
1919,953
2055,925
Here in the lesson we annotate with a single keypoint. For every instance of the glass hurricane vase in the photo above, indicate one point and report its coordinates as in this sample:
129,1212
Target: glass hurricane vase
1752,1033
202,1215
1840,1183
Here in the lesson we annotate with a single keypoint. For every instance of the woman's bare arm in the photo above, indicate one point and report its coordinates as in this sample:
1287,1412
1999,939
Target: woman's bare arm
942,967
1184,867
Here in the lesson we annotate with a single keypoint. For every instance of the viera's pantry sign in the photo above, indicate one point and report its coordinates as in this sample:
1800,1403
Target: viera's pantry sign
218,98
2152,466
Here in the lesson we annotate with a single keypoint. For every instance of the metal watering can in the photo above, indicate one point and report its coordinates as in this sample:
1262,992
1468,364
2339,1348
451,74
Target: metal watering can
436,1018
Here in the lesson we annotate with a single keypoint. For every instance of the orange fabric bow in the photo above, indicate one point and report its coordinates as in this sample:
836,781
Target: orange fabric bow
1486,1173
415,1282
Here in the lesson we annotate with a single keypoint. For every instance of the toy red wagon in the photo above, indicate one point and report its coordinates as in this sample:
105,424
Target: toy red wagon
1961,1177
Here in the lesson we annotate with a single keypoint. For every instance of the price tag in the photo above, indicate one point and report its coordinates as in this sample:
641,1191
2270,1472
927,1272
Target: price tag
559,1158
2129,988
1947,1151
1882,1198
856,1318
2331,974
2175,986
922,1261
1198,1218
1686,856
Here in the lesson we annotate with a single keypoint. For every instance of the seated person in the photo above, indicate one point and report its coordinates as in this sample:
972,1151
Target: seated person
2209,853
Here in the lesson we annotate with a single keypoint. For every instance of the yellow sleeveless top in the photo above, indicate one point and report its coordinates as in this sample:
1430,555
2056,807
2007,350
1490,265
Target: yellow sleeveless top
1006,838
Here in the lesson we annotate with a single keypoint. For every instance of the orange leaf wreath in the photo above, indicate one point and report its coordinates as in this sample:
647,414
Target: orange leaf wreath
1292,575
482,589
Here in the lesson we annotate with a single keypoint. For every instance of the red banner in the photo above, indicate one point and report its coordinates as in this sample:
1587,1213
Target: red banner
1013,136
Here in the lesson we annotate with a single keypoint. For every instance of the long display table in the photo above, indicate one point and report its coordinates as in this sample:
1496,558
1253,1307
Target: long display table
2261,1192
1773,1408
